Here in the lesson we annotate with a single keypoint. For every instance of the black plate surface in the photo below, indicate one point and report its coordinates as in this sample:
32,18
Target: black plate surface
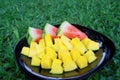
104,54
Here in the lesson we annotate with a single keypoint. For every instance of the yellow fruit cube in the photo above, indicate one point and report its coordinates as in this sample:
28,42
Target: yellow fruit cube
66,42
58,44
42,43
90,44
57,67
48,40
82,62
75,54
78,45
35,61
68,63
52,54
25,51
46,62
90,56
33,49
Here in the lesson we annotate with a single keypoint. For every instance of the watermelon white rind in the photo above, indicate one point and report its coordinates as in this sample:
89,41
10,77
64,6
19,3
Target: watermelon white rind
50,29
70,31
34,34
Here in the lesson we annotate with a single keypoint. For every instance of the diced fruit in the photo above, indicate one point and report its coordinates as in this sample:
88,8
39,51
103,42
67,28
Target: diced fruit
46,62
35,61
90,56
78,45
48,40
25,51
70,31
57,67
65,51
75,54
52,54
33,49
58,44
68,63
90,44
82,62
66,42
34,34
41,48
50,29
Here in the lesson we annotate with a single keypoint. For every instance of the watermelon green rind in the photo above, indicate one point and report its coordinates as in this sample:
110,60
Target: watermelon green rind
49,29
70,31
33,34
62,28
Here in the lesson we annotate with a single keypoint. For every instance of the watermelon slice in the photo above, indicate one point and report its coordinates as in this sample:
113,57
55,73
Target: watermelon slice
70,31
50,29
34,34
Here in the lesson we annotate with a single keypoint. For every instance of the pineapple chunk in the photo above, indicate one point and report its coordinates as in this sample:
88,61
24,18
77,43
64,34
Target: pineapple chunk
46,62
33,48
78,45
82,62
57,67
68,63
35,61
41,48
40,52
75,54
90,44
25,51
66,42
90,56
42,43
48,40
52,54
58,44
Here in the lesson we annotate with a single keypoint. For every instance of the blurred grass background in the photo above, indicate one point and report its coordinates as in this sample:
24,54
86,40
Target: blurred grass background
17,15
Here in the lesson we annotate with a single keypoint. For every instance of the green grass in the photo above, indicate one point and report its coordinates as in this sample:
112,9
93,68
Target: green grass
17,15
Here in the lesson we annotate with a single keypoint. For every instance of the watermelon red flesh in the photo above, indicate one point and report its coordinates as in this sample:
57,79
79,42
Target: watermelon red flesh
71,31
50,29
35,34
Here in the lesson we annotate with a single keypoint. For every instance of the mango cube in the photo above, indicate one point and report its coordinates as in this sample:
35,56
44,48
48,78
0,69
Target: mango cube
82,62
35,61
66,42
78,45
90,44
90,56
46,62
75,54
68,63
51,52
25,51
33,49
57,67
48,40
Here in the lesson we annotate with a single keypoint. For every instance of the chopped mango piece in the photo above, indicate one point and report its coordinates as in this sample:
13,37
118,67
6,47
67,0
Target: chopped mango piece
35,61
90,56
25,51
33,49
52,54
68,63
57,67
90,44
58,44
78,45
75,54
48,40
46,62
82,62
66,42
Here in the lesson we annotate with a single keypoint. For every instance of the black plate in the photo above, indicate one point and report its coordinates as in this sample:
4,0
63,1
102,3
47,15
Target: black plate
104,54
